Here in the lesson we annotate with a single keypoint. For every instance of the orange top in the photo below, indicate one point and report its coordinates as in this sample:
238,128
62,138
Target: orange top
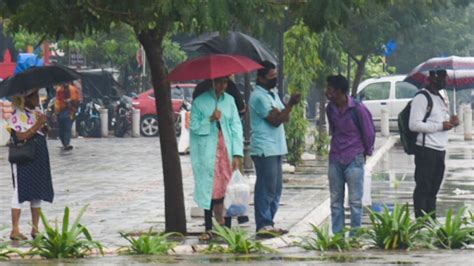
66,99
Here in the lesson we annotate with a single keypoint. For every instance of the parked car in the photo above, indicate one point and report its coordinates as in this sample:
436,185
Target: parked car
146,103
390,92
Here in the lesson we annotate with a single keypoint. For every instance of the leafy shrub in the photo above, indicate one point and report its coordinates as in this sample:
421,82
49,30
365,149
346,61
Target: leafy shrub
456,231
322,240
321,142
237,241
396,230
68,242
296,130
150,244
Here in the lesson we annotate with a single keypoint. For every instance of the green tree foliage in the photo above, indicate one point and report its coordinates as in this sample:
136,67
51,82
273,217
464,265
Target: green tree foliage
448,32
302,64
151,22
364,26
23,39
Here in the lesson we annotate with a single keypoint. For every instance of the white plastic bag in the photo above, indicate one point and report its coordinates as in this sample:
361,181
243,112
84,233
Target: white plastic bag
237,196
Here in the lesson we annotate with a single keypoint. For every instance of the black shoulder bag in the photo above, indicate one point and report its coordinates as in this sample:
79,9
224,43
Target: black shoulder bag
20,152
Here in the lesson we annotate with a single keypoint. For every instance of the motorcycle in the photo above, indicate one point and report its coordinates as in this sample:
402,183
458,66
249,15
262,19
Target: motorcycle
88,118
122,121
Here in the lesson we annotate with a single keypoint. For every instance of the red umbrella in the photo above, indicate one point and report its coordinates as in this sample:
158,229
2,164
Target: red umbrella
212,66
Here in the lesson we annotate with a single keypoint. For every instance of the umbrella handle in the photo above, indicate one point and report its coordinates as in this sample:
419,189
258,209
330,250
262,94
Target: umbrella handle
454,99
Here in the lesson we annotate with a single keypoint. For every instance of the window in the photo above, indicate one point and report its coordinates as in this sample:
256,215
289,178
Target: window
152,95
176,93
375,91
405,90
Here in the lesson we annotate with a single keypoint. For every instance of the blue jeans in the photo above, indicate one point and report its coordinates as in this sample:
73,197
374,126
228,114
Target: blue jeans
65,125
267,189
353,174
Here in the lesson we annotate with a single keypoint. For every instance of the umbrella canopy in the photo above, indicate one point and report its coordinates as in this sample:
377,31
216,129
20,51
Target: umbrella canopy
448,63
460,72
232,43
456,80
212,66
36,77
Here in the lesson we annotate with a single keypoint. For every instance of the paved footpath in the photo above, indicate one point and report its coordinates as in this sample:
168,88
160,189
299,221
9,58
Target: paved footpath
122,181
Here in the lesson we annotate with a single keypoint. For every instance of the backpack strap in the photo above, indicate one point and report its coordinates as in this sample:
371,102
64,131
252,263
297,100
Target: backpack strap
429,107
356,120
355,115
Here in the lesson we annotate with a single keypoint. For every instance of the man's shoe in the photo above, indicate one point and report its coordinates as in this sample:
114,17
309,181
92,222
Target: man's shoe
68,148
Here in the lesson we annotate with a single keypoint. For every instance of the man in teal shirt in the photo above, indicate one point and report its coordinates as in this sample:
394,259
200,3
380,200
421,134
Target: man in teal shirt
267,146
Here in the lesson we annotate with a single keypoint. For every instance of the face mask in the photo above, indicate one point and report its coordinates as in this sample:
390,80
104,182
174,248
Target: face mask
271,83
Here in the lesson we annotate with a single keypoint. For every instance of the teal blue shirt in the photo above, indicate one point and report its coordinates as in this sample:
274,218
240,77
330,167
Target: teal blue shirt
266,139
204,138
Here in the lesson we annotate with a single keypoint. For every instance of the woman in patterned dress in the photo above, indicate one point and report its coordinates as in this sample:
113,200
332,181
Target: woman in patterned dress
32,180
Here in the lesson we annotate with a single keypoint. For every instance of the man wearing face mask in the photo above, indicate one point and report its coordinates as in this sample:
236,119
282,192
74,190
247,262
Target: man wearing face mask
268,145
353,137
431,142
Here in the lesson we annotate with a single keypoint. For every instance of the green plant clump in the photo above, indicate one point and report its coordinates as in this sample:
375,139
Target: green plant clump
396,230
150,244
321,143
322,240
237,242
455,233
73,241
5,252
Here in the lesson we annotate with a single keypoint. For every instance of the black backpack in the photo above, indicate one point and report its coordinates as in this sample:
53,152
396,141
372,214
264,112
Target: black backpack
408,137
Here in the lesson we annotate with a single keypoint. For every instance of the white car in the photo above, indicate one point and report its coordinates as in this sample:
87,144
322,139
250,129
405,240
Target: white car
386,92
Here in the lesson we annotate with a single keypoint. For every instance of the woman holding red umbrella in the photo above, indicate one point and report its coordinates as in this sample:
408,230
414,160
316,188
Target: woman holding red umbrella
216,149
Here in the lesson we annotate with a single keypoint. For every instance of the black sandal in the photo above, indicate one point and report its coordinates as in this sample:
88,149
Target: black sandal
19,237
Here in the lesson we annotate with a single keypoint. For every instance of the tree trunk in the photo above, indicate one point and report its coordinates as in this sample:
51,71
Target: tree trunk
359,73
175,216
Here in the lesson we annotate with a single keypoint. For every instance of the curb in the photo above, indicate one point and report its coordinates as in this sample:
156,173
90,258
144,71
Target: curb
320,213
317,217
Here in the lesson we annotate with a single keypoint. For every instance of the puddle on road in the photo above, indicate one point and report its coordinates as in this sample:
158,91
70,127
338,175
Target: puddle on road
463,154
393,180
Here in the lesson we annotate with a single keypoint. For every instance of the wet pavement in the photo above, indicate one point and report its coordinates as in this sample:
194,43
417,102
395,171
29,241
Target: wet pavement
288,257
121,180
392,178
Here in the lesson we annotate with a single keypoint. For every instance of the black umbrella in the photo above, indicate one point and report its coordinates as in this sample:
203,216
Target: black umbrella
36,77
231,43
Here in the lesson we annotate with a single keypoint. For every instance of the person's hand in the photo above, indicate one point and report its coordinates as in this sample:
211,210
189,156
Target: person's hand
236,163
295,98
41,118
454,120
447,125
45,129
216,116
